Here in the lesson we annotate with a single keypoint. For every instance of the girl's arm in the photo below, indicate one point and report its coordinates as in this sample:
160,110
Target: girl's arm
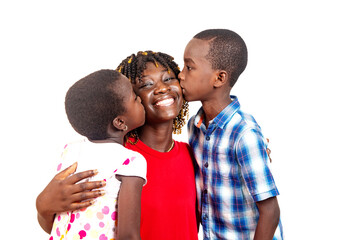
129,207
64,194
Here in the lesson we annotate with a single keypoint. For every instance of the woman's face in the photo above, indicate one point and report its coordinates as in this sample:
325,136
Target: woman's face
160,93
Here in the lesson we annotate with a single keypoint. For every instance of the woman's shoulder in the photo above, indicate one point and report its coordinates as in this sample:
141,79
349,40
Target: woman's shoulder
182,145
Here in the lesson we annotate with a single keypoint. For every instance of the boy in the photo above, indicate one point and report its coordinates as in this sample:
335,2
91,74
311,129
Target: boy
236,190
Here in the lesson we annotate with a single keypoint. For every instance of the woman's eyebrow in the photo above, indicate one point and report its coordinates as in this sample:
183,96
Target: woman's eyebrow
163,71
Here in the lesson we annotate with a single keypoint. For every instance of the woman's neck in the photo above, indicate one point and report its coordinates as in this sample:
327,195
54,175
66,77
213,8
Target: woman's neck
157,136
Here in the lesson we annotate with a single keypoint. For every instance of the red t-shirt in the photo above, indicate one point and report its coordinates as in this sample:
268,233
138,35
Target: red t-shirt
168,198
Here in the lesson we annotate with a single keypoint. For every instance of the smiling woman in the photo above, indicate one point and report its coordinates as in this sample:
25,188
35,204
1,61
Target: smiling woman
160,92
149,68
168,201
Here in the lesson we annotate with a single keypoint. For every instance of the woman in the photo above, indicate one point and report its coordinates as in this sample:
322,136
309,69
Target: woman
168,199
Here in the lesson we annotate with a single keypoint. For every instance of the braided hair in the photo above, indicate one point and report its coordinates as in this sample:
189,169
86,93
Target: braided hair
134,65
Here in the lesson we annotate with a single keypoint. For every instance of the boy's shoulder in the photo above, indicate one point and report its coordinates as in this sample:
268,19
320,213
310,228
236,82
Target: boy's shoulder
241,118
245,118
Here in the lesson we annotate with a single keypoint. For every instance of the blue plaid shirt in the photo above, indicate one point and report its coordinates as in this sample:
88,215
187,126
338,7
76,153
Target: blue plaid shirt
233,173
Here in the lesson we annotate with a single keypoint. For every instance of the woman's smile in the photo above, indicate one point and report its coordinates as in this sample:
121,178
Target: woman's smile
165,102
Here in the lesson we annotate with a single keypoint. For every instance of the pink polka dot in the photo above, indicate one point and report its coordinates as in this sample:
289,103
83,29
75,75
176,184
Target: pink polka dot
51,238
77,215
59,218
114,216
82,234
58,232
105,210
87,227
101,224
72,218
59,167
126,162
68,227
99,215
103,237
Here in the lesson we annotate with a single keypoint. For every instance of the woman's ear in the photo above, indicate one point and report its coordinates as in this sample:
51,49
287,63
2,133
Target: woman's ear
119,123
221,78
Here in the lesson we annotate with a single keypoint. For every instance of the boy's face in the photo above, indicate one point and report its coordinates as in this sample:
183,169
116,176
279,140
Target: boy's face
197,77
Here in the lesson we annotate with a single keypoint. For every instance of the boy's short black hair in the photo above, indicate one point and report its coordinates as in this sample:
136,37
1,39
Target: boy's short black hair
227,51
91,103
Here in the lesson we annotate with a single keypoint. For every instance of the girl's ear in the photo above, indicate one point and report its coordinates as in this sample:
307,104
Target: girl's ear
119,123
221,78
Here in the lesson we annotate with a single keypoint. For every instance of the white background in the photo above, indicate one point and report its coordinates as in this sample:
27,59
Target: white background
300,84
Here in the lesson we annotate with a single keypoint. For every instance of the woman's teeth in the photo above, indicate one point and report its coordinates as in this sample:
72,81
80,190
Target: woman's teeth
165,102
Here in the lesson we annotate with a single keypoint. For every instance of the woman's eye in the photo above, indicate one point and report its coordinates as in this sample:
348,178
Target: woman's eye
145,84
168,79
188,68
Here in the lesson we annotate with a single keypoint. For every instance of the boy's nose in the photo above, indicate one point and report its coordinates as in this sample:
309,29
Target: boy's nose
181,76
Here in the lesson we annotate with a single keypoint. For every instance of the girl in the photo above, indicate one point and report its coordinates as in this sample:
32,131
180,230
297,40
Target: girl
103,107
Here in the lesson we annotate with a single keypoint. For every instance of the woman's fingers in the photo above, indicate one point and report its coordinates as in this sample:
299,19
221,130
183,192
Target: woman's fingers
268,151
80,176
66,172
86,196
80,205
87,186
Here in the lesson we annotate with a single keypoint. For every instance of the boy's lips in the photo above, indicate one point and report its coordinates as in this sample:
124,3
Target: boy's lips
182,87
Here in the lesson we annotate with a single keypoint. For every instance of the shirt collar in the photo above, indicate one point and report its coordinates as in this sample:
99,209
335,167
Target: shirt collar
223,117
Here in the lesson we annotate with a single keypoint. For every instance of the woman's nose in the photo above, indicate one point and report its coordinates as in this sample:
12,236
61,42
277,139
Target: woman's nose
161,87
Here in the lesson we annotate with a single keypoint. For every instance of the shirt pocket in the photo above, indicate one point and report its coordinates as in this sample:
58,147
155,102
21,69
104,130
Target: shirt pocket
223,166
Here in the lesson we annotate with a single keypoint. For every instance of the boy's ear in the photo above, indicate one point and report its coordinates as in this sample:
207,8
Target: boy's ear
119,123
221,78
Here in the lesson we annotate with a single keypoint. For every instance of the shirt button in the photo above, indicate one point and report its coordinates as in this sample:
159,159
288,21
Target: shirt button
207,138
206,164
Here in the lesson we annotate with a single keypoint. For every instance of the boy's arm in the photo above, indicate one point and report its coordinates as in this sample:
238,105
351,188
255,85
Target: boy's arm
63,194
129,207
253,158
269,216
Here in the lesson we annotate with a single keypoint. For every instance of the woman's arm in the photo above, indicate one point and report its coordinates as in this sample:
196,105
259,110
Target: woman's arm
129,207
64,193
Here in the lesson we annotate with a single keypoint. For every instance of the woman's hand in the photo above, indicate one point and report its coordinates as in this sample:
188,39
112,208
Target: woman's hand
64,193
268,151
